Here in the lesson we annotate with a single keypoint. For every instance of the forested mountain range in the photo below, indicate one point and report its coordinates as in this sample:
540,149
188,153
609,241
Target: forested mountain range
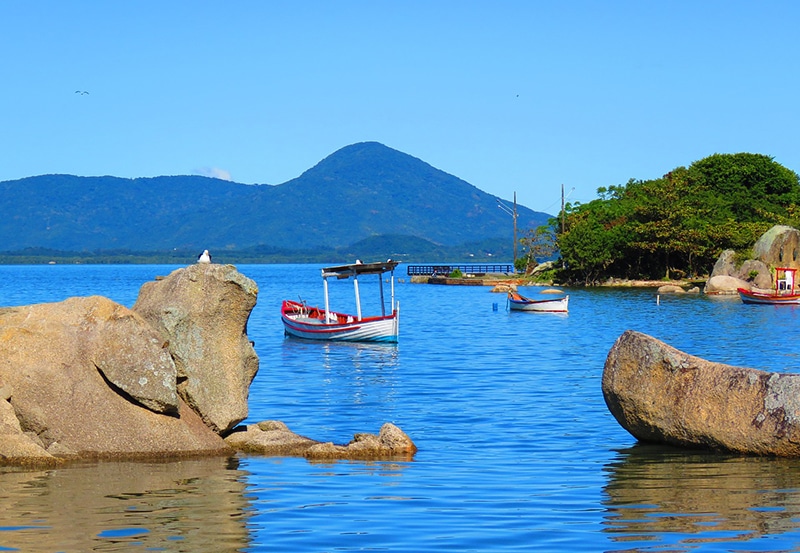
365,195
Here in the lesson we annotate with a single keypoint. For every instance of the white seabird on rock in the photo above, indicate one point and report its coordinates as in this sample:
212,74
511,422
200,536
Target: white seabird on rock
204,257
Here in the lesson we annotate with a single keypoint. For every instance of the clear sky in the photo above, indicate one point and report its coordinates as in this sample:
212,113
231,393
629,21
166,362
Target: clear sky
510,95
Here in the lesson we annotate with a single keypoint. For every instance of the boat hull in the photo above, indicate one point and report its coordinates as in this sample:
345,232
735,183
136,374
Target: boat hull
311,323
749,296
521,303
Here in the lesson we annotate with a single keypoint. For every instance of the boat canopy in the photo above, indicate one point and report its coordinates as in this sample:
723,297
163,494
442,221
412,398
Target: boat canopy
355,269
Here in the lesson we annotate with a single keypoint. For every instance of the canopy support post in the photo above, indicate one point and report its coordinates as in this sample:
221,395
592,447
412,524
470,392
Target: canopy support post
358,297
327,301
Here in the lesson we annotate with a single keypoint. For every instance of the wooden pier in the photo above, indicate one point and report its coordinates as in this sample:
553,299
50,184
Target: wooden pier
472,269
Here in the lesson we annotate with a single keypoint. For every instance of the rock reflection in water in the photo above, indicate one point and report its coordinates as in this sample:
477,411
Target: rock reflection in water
657,494
189,505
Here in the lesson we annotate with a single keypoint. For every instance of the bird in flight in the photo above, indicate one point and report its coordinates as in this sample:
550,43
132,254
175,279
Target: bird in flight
81,92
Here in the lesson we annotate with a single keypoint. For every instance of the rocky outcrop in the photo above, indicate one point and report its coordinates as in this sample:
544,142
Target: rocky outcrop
88,377
727,276
660,394
202,312
778,247
275,438
724,284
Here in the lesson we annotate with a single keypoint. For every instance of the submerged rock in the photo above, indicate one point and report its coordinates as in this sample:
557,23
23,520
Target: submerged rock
660,394
670,289
275,438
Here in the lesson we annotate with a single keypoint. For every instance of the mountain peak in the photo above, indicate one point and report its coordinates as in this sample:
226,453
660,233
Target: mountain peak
372,157
360,191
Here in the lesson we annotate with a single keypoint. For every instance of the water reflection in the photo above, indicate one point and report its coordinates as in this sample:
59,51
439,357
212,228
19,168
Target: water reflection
355,355
189,505
351,369
657,494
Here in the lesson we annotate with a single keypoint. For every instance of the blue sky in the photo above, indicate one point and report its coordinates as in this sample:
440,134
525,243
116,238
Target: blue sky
511,96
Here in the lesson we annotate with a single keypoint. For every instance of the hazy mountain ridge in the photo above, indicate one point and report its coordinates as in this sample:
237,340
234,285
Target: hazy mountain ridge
361,191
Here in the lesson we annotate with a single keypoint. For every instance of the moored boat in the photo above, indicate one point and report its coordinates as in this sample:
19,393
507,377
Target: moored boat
315,323
518,302
785,292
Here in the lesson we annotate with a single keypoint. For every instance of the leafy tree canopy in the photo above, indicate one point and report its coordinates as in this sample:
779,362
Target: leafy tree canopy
677,225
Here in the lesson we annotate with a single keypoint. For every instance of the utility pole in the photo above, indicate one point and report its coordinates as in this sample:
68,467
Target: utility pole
515,230
563,206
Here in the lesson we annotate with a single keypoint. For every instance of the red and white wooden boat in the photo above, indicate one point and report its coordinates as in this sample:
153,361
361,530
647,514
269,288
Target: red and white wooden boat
784,294
315,323
518,302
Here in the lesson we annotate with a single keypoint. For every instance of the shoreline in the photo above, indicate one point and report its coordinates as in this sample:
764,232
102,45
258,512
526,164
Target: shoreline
500,280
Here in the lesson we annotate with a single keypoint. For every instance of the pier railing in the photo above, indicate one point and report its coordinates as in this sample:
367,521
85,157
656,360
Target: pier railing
477,269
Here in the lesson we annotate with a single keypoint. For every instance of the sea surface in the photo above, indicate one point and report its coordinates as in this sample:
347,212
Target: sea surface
517,450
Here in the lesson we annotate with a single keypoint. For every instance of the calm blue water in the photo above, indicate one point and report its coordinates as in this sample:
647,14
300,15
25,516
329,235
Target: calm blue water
517,451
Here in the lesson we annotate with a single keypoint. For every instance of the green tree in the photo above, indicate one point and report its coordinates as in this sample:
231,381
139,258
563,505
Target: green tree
745,187
595,238
677,225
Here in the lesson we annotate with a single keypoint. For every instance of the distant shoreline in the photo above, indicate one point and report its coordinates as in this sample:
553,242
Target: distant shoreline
518,281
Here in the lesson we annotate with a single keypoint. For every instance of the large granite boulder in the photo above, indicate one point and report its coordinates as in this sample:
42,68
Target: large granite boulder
725,285
660,394
779,247
202,311
88,377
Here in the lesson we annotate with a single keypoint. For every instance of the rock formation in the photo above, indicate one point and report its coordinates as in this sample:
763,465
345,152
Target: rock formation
202,311
89,378
778,247
660,394
275,438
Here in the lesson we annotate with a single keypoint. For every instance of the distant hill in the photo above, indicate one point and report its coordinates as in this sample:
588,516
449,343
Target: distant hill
365,193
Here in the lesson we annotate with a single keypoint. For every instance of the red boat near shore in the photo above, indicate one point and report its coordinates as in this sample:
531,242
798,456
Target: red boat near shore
785,292
320,323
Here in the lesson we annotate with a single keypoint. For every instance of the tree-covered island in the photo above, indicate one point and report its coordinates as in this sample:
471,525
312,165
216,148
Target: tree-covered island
673,227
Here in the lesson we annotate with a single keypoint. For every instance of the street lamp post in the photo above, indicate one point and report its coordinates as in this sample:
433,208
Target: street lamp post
513,213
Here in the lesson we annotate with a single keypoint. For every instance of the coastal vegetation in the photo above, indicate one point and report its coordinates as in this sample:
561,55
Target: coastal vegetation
677,225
